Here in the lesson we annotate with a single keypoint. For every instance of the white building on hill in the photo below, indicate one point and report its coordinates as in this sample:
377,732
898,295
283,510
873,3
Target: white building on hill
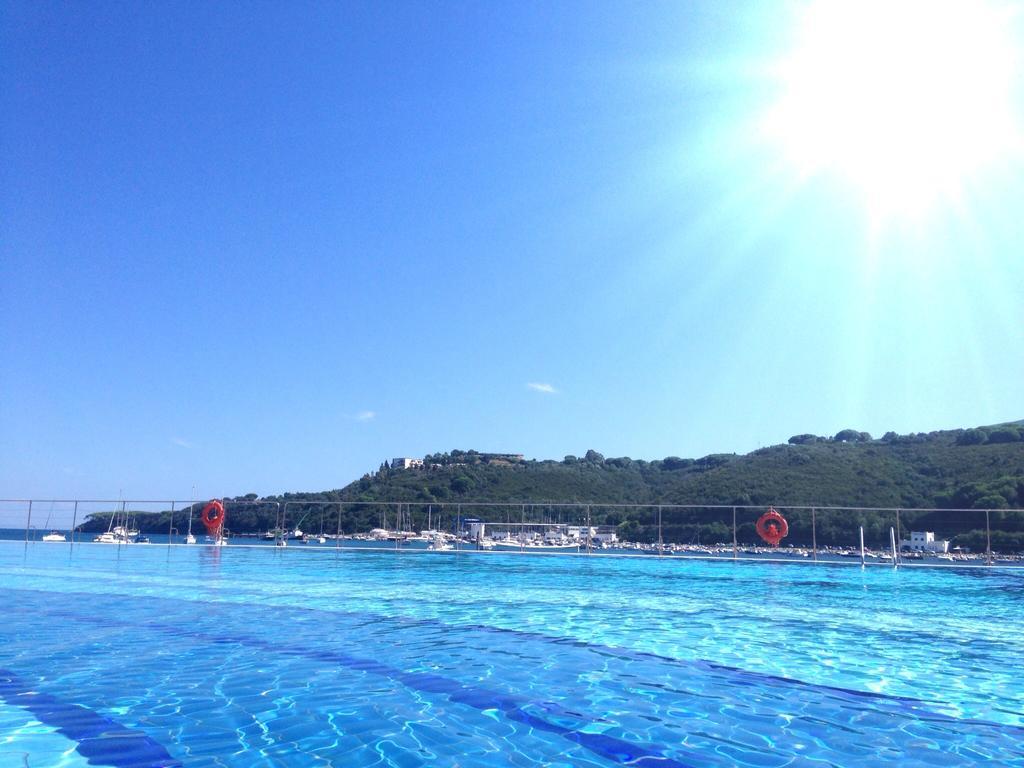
403,463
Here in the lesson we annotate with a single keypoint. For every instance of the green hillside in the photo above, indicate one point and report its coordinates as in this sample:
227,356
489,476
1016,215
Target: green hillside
939,469
980,468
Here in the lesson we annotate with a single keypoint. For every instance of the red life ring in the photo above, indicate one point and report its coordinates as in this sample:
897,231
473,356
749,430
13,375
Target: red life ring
772,527
213,515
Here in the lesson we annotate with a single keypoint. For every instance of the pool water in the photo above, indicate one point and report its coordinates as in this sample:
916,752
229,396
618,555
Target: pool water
206,656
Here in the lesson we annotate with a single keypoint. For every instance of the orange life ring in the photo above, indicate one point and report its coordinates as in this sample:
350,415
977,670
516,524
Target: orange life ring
772,527
213,515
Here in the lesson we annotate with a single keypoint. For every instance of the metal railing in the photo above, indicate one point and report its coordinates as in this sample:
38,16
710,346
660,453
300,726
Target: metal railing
816,533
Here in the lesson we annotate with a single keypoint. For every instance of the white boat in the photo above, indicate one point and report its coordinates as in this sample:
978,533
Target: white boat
190,539
52,535
116,535
119,529
439,543
517,546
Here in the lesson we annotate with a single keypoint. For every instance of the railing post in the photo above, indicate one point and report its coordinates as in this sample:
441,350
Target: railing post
892,541
28,522
170,525
899,531
522,531
988,541
814,534
588,529
862,560
661,541
74,522
735,546
337,540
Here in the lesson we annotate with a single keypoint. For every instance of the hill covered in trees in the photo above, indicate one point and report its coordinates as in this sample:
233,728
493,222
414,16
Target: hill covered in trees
980,468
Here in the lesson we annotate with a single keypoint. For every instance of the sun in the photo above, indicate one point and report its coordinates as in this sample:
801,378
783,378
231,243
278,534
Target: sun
907,100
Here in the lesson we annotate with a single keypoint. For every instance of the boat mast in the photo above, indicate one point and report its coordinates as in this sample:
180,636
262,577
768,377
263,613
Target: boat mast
113,514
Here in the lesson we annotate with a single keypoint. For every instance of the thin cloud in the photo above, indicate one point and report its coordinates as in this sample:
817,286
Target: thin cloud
537,386
365,416
181,442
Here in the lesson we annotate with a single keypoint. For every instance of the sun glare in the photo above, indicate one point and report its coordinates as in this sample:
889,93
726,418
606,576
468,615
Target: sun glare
908,100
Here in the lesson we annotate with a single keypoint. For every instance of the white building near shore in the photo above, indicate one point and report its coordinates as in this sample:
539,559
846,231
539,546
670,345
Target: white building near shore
924,541
598,534
475,529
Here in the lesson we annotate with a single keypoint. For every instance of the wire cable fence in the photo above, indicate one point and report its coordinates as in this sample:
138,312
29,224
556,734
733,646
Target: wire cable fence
794,533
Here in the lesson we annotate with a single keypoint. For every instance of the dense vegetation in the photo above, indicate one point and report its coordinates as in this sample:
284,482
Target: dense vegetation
973,469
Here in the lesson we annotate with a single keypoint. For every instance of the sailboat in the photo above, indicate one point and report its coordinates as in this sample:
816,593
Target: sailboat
120,533
53,536
439,541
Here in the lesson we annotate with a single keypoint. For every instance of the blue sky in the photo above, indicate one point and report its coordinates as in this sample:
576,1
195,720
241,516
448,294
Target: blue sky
262,247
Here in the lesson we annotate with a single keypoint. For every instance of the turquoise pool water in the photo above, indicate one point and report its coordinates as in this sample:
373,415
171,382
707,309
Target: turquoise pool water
205,656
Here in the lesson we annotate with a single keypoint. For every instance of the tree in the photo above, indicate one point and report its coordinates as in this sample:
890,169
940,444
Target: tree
713,460
991,501
851,436
803,439
1004,435
674,462
594,457
971,437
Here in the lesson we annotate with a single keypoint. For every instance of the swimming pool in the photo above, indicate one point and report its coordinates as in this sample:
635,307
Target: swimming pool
206,656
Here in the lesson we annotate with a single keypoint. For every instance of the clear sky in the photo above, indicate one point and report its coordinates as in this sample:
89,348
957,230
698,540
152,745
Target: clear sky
264,246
